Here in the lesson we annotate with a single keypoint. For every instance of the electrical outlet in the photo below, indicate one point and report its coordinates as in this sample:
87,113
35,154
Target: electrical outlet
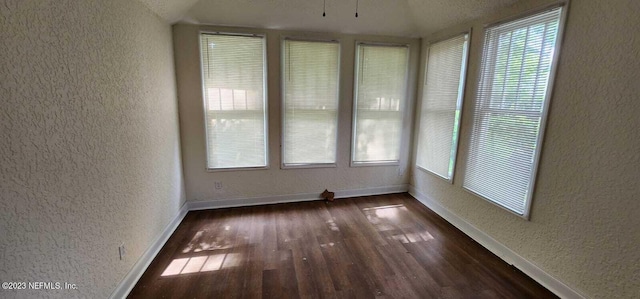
218,185
121,251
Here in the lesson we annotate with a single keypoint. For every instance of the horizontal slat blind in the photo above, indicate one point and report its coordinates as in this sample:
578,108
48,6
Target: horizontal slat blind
515,72
310,81
234,102
380,100
441,103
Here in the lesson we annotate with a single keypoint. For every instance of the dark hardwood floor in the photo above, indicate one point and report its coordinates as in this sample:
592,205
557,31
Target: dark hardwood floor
388,246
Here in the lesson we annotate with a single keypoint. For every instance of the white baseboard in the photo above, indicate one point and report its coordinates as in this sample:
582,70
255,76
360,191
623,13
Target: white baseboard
129,281
373,191
254,201
551,283
127,284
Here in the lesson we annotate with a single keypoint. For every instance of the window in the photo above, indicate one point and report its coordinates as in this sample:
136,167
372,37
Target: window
380,91
310,113
511,104
233,79
441,103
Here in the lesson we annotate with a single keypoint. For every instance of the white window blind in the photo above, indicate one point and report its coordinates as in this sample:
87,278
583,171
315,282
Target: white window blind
441,102
380,92
233,71
310,82
510,109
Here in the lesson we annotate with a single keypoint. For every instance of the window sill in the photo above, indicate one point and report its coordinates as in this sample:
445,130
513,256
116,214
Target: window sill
305,166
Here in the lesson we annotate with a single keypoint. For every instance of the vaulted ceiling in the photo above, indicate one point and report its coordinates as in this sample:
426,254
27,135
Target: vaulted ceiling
384,17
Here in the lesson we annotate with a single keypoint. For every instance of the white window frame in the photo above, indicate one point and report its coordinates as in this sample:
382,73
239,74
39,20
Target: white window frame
547,100
265,101
403,104
459,103
283,108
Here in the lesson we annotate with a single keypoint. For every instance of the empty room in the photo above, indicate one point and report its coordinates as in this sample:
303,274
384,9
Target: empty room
320,149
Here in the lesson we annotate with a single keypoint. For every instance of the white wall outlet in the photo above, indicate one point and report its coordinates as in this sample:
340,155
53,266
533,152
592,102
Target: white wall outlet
218,185
121,251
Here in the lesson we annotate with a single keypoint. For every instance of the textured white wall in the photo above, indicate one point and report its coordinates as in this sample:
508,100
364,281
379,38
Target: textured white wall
89,141
585,219
199,184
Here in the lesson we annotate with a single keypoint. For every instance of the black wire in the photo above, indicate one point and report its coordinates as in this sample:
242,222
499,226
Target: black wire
324,8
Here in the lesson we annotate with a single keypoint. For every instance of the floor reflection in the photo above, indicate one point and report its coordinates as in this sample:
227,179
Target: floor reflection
384,217
206,240
327,245
199,264
412,237
203,242
389,218
332,225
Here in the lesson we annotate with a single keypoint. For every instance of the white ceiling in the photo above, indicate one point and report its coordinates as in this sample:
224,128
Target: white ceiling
170,10
383,17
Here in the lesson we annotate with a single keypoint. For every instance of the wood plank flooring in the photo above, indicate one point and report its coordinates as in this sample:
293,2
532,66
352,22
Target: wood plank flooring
387,246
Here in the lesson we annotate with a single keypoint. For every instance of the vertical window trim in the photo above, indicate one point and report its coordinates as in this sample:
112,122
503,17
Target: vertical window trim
403,103
564,5
265,97
460,101
547,104
283,108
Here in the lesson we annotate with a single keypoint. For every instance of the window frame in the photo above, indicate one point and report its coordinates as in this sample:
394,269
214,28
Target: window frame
265,97
564,6
403,103
283,40
459,102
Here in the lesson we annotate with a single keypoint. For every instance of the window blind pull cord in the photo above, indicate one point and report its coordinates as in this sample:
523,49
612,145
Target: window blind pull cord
289,60
356,8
